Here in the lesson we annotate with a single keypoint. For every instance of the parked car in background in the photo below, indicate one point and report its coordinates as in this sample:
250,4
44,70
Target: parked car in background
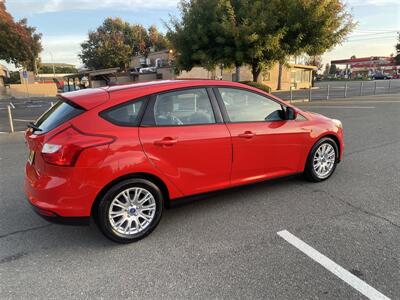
120,154
381,76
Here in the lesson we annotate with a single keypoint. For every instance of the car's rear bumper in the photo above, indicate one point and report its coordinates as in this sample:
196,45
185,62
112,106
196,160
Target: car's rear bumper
54,218
56,197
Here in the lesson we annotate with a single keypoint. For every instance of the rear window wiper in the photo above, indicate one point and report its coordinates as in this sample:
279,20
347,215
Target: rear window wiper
33,126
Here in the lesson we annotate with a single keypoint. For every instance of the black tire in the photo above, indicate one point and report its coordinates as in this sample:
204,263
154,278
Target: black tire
309,172
104,223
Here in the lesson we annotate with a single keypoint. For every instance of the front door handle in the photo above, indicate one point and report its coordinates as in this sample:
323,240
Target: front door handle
247,135
167,141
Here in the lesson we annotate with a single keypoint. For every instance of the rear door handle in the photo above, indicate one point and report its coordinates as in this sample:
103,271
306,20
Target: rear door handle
167,141
247,135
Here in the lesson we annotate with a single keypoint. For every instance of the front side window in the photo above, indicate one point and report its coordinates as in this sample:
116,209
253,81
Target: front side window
124,115
244,106
188,107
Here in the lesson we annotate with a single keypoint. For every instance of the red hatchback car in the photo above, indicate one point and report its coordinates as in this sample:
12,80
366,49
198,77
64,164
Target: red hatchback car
120,154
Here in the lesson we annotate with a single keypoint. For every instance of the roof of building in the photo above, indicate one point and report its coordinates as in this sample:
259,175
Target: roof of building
94,72
303,66
58,65
362,60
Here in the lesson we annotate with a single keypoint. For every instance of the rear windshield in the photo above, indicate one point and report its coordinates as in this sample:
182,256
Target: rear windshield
58,114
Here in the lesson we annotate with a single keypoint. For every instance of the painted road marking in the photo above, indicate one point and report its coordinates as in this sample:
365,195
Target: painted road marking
23,120
6,132
34,106
338,106
12,105
352,280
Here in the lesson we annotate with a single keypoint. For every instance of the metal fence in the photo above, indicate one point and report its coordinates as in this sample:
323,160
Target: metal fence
341,90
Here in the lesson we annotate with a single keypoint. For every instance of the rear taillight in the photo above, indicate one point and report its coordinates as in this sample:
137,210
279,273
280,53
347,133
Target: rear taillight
64,148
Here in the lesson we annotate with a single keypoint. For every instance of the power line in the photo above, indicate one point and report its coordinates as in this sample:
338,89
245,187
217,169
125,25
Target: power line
373,34
376,30
373,38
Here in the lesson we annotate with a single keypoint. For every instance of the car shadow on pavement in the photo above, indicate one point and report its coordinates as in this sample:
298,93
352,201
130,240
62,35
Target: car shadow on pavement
183,214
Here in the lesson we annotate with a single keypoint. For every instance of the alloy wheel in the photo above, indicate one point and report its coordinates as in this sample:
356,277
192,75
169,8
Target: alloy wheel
132,211
324,160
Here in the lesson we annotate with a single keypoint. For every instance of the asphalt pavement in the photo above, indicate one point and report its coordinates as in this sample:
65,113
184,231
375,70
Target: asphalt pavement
226,245
23,111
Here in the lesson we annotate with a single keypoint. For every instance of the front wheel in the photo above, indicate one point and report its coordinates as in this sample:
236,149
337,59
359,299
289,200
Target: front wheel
130,210
322,160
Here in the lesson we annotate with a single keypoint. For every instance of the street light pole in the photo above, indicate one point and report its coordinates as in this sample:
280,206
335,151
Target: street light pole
52,62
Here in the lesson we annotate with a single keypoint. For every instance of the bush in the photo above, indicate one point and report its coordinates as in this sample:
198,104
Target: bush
258,85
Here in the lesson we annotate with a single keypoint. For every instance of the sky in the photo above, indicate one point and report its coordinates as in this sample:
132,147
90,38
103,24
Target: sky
65,24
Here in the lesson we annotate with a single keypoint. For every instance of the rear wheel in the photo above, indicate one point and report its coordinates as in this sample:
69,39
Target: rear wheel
322,160
130,210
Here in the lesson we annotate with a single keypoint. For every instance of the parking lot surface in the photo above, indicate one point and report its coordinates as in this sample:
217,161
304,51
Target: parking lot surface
226,245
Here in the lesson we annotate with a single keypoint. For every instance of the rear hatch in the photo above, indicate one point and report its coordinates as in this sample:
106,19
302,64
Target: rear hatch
36,134
69,106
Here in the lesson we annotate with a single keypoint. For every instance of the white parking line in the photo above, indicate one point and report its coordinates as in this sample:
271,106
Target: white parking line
23,120
6,132
336,106
12,105
331,266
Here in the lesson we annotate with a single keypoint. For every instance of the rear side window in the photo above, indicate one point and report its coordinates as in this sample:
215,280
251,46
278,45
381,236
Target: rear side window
124,115
58,114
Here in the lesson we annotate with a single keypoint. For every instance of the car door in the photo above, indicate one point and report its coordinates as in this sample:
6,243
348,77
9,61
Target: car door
184,136
265,145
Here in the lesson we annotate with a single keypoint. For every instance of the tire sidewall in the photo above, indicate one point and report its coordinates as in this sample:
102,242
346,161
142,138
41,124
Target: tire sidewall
104,206
310,172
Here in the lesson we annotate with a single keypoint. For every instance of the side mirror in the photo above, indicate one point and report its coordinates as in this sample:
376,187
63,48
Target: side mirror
291,113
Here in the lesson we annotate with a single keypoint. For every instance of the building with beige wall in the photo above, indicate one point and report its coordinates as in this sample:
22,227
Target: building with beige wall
158,59
295,76
3,75
32,90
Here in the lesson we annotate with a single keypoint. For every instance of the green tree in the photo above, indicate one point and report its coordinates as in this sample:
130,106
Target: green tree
258,34
311,27
19,43
204,35
116,41
157,39
397,57
225,32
